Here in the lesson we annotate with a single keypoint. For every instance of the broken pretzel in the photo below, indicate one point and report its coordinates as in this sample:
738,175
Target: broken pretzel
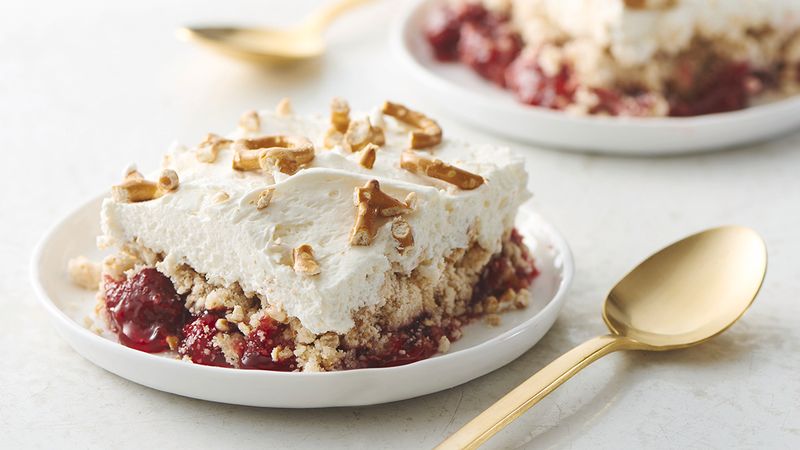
427,134
136,189
368,156
250,121
208,150
340,114
373,203
435,168
360,133
401,232
286,153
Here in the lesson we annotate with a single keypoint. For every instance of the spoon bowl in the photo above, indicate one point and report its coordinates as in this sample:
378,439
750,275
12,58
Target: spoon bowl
271,46
258,44
690,291
681,296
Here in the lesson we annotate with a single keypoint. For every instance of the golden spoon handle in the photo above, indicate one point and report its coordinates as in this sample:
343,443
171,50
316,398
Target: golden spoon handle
527,394
325,15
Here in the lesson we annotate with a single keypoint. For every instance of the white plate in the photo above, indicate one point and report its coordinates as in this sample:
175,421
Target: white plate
463,93
481,350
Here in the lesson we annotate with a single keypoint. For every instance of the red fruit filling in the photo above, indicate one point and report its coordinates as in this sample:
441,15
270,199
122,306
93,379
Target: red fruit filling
258,346
476,37
410,344
442,31
528,81
500,274
710,89
488,48
144,310
443,28
198,341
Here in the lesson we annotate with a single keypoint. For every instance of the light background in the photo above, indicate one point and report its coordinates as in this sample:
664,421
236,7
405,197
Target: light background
86,87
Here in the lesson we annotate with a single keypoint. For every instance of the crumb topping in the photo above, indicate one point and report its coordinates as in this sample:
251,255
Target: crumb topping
264,198
84,272
304,262
250,122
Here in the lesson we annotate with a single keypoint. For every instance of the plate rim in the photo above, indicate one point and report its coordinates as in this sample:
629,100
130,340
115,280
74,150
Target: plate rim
61,319
404,23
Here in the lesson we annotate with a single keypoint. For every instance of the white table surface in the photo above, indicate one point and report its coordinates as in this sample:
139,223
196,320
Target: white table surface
88,86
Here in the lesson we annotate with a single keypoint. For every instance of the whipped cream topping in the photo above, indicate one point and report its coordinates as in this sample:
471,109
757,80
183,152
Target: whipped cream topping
211,224
633,36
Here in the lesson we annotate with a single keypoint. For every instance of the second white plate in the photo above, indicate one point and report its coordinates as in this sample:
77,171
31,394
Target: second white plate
472,99
481,350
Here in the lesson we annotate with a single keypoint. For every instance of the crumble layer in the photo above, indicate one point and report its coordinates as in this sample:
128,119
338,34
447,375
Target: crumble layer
212,225
417,319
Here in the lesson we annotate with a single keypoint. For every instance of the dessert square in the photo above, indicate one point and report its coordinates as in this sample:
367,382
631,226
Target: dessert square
626,57
314,243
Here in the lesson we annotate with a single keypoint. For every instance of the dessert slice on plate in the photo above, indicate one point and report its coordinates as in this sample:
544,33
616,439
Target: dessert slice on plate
314,243
626,57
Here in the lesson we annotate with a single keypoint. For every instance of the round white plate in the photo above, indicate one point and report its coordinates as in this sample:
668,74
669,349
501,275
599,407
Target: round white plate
457,89
481,350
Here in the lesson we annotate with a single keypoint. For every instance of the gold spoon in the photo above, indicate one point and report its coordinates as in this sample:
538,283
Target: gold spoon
683,295
264,45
